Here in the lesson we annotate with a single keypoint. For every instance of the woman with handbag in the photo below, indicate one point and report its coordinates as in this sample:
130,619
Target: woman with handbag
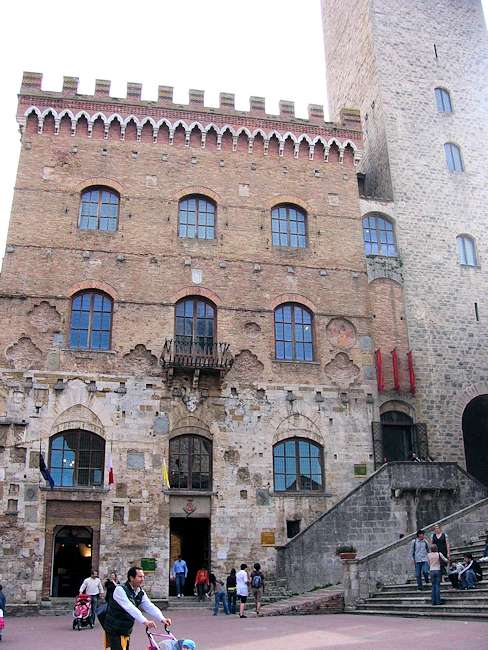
434,559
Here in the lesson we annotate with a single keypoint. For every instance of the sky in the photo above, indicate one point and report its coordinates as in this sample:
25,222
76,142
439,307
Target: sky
268,48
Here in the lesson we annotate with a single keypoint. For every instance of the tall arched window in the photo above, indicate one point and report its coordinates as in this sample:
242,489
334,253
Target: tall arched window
190,463
298,466
196,218
443,100
289,226
91,321
77,458
195,325
293,333
379,236
466,250
99,209
453,157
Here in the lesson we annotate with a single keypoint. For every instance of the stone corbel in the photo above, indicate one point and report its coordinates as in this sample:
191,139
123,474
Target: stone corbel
139,131
266,146
296,149
311,152
219,141
40,126
251,145
90,128
122,132
187,138
204,139
171,136
341,153
56,125
234,142
326,153
106,129
73,127
155,134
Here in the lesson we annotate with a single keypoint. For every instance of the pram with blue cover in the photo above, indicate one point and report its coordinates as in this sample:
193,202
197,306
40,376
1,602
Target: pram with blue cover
167,641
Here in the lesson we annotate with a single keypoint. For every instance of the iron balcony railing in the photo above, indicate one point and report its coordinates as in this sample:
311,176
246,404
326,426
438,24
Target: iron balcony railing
186,352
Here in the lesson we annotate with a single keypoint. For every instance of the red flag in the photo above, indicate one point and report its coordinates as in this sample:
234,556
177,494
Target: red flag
111,479
379,371
396,374
411,372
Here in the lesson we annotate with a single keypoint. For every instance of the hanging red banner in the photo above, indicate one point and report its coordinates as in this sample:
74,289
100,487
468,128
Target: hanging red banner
379,371
411,372
396,374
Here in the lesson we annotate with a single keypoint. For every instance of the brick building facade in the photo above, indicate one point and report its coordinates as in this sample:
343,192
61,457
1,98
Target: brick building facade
187,302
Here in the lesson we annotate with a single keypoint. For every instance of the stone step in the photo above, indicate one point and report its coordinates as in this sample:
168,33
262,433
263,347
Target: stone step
412,587
479,592
431,613
421,600
422,607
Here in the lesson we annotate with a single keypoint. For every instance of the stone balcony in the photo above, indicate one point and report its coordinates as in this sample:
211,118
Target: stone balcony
186,355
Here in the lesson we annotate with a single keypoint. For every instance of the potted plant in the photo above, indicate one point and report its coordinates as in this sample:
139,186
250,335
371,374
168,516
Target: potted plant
346,551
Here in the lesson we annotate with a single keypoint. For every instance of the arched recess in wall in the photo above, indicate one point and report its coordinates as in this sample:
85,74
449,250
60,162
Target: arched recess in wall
475,436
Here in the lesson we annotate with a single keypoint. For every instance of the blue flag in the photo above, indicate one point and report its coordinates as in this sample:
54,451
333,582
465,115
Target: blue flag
44,471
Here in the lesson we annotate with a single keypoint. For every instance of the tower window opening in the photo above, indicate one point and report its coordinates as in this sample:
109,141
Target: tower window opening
476,312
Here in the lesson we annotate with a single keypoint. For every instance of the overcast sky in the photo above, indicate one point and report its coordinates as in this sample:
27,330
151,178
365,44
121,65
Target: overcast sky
270,48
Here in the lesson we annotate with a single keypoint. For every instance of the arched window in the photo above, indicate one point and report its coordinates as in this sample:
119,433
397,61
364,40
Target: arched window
379,236
196,218
91,321
99,209
453,157
466,250
293,333
194,326
289,226
298,465
190,463
77,458
443,100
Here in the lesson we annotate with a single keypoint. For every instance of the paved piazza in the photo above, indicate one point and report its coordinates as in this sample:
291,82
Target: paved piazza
275,633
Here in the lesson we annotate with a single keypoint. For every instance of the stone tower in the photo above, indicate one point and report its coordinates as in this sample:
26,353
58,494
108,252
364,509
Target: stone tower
419,77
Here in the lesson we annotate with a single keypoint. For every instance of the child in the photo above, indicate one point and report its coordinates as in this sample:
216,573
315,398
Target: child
188,644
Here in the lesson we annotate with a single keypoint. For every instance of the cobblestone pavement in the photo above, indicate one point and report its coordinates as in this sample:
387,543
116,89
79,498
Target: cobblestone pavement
275,633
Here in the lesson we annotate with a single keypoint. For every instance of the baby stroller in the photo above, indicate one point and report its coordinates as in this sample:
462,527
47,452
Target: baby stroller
82,612
167,641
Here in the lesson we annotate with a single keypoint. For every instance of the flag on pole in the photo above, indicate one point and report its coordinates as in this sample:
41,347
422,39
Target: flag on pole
44,471
164,472
111,479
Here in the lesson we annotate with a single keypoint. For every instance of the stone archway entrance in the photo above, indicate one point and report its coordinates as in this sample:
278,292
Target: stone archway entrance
72,559
475,434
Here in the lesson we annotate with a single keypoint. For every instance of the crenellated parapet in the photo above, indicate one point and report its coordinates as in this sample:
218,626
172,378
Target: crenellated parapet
101,116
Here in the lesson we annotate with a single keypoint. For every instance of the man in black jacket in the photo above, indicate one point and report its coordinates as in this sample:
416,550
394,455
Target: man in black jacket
124,608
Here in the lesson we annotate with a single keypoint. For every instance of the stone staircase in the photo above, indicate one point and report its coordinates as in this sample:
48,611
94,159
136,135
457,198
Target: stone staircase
276,589
405,600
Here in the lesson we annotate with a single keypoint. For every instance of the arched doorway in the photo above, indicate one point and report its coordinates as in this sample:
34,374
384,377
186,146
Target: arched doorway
398,436
475,434
72,559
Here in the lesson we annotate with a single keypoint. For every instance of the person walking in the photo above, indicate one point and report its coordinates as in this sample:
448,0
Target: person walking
110,584
242,583
257,586
231,585
3,603
202,582
435,558
419,550
440,539
220,597
180,572
92,587
125,607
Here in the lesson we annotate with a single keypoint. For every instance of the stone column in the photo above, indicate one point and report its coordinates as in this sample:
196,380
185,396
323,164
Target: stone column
350,582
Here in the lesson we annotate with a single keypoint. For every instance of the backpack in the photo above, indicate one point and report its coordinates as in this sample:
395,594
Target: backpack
256,581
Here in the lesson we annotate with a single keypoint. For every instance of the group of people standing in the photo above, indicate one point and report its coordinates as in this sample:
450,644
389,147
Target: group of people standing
432,560
237,586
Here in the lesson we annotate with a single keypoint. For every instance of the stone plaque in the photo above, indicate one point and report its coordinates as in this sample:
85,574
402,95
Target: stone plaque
341,333
262,497
268,538
135,460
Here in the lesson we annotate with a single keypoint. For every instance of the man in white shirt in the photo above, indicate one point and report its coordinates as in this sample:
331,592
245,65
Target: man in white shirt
124,608
242,584
92,587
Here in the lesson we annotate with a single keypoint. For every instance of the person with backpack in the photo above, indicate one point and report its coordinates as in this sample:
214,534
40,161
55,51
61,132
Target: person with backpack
257,586
232,591
419,550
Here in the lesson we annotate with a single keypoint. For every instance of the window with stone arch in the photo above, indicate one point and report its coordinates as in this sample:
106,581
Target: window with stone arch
196,217
190,463
466,250
288,226
77,459
379,236
454,159
99,209
298,466
293,333
443,100
195,326
91,321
